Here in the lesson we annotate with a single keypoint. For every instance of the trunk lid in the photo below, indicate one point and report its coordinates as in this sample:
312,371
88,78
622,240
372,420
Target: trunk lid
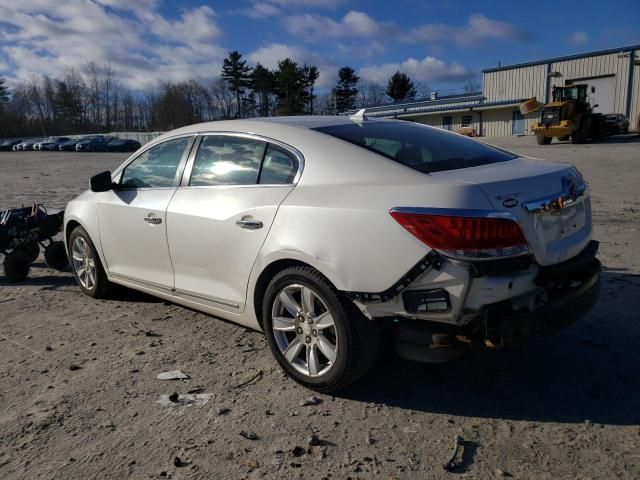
546,198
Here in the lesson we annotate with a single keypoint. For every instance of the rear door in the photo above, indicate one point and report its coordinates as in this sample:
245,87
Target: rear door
220,216
132,218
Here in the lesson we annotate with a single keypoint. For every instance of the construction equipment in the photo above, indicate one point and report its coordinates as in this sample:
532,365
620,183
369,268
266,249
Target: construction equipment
569,115
22,232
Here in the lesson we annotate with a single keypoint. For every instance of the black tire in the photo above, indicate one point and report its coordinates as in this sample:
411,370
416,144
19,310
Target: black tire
102,285
32,250
55,256
580,135
16,266
543,140
357,338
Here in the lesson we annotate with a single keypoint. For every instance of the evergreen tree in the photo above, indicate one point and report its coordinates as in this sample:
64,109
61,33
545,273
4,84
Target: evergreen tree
4,93
237,74
68,107
262,84
309,76
347,89
400,88
289,88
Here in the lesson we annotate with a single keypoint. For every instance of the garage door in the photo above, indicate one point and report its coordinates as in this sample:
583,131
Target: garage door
604,95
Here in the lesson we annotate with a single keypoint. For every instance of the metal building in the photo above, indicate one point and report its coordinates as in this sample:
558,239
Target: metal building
614,73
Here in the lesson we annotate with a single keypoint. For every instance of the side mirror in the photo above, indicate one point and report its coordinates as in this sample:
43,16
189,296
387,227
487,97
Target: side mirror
101,182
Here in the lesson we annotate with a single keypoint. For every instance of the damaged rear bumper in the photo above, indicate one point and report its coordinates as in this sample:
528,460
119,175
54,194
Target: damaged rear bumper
567,292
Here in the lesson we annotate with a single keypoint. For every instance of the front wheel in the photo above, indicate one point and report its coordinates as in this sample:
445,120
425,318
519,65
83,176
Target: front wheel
86,265
317,336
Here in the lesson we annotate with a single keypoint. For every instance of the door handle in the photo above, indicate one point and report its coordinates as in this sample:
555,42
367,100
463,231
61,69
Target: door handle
152,219
250,224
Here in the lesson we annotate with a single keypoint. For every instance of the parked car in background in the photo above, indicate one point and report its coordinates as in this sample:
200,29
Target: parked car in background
69,145
327,233
615,123
28,144
123,145
36,146
52,143
97,143
9,143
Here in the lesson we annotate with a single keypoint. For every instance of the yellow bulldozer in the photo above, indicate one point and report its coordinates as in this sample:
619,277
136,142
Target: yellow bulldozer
568,116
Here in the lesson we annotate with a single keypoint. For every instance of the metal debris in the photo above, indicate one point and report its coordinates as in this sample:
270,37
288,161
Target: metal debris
173,375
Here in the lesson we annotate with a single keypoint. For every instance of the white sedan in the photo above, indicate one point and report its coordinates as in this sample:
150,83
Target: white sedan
327,233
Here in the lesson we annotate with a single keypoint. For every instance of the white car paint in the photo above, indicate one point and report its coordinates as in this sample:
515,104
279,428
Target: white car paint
334,217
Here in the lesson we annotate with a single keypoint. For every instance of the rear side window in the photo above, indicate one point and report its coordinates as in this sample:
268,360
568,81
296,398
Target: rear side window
156,167
227,160
418,147
279,167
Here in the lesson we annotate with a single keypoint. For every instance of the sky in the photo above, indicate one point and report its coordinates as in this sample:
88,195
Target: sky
440,43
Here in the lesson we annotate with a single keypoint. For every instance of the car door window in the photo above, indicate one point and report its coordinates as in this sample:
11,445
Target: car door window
227,160
279,167
156,167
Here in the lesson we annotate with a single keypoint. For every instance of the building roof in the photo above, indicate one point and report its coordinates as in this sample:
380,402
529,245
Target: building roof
562,59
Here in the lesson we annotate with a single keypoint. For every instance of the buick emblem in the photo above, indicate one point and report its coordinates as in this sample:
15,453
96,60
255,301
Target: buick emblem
510,203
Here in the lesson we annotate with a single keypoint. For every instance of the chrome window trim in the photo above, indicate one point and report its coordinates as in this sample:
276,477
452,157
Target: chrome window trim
186,176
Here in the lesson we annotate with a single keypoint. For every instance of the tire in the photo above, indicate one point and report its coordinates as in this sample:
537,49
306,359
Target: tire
55,256
580,135
350,337
100,286
543,140
32,250
16,266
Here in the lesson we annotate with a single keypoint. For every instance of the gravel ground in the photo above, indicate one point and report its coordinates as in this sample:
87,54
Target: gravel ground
79,396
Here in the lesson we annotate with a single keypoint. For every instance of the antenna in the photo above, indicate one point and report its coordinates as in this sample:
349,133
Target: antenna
359,116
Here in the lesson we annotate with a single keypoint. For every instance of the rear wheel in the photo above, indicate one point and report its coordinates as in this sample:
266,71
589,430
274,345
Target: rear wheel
580,135
32,250
86,265
16,266
55,256
543,140
317,336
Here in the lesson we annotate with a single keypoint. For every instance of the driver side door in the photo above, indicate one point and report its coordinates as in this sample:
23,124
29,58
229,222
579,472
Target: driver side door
132,218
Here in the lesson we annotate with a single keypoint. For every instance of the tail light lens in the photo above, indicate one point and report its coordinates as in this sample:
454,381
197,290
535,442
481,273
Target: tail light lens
467,237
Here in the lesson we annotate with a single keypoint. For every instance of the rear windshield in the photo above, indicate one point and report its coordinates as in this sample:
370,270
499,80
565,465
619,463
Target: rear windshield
415,146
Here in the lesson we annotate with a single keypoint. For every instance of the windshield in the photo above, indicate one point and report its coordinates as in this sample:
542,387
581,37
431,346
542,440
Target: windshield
418,147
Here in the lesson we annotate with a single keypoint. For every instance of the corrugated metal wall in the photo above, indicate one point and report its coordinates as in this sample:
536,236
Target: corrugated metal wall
515,84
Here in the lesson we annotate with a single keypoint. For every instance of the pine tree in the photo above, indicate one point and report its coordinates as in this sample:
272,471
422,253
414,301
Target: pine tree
309,76
262,83
400,88
4,93
237,75
289,88
347,89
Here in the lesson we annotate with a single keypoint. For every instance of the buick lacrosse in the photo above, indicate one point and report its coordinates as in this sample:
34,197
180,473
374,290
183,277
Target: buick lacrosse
326,232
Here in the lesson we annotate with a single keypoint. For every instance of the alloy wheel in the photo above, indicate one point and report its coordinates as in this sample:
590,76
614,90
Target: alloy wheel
84,264
304,330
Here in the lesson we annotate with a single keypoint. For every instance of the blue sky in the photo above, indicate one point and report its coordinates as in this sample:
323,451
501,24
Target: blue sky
442,43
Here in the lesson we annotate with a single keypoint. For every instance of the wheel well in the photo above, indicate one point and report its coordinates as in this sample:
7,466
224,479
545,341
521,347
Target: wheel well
70,227
264,279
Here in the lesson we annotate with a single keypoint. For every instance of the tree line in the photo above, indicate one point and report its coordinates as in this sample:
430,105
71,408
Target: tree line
93,99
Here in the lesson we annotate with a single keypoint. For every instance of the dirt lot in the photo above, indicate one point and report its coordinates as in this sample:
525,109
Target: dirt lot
564,407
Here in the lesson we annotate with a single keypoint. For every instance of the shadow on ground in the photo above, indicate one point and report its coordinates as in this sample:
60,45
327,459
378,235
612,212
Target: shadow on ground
590,371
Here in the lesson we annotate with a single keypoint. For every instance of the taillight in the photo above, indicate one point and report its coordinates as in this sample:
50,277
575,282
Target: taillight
473,237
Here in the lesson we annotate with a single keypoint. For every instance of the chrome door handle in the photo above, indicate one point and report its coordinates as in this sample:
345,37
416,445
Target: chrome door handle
152,219
249,224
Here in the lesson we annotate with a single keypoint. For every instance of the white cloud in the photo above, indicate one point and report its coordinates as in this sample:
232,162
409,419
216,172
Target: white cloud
143,49
261,10
429,69
309,3
478,29
578,39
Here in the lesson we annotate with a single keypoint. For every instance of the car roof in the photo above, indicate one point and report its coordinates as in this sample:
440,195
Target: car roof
275,127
